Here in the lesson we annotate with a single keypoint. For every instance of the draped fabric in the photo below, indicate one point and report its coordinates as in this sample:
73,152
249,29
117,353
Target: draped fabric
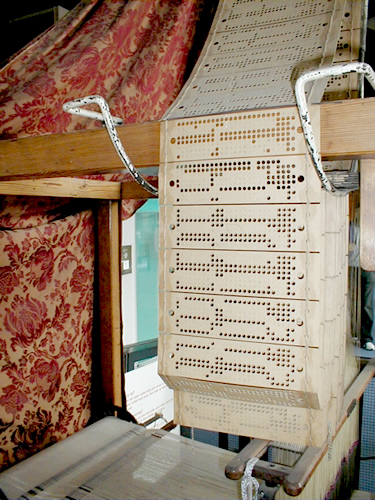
134,54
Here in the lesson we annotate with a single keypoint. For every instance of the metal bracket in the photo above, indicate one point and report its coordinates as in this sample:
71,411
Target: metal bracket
338,70
110,122
266,492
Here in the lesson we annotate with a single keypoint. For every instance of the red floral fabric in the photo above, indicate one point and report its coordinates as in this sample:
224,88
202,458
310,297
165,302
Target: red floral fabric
46,314
133,53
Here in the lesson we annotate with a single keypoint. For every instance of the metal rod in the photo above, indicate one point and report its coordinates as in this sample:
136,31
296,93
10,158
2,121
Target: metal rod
303,110
75,107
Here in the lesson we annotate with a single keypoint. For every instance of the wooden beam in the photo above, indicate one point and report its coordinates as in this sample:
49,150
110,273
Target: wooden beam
78,153
346,133
108,245
132,190
66,187
347,129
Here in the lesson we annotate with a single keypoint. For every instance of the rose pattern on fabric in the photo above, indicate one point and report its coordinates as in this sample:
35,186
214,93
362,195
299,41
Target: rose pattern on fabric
46,378
8,280
41,267
25,320
134,54
34,435
13,399
45,342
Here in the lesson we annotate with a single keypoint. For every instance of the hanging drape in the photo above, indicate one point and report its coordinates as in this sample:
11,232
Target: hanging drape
135,55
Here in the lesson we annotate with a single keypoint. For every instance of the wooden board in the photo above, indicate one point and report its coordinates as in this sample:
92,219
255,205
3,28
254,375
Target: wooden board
367,223
65,187
110,301
346,131
78,153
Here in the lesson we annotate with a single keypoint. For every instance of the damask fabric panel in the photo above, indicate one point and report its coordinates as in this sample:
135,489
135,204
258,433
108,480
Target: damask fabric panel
133,53
46,315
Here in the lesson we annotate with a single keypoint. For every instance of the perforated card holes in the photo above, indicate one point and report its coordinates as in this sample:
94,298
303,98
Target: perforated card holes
352,15
235,318
341,87
233,85
237,135
348,46
242,363
266,35
292,425
243,227
279,397
265,57
245,13
254,180
315,28
212,102
255,274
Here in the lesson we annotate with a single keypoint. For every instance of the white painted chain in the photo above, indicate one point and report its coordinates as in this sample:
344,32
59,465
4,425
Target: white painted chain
303,110
249,483
110,122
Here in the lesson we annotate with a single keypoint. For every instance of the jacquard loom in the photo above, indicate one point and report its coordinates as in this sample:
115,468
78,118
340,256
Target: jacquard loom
254,305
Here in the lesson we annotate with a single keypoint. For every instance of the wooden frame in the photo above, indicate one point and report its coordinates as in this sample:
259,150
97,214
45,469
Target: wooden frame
346,131
41,166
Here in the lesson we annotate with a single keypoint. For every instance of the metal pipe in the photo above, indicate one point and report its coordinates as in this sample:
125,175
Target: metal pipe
303,110
110,122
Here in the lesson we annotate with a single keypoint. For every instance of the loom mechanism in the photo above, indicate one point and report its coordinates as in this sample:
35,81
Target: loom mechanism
254,253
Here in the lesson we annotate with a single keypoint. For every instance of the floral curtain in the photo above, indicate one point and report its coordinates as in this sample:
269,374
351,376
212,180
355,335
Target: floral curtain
134,53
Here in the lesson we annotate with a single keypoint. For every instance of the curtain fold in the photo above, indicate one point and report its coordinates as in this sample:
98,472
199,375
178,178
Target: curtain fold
134,54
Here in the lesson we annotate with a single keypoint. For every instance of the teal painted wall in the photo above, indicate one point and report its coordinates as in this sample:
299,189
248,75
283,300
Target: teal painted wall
147,248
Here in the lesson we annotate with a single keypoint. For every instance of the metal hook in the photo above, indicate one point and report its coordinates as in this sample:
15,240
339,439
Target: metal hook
110,122
305,116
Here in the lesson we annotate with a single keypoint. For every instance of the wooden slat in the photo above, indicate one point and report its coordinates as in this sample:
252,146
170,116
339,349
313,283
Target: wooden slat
132,190
78,153
110,301
367,221
346,133
66,187
347,129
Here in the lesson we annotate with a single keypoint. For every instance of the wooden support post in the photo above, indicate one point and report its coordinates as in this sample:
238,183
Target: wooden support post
108,221
367,232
